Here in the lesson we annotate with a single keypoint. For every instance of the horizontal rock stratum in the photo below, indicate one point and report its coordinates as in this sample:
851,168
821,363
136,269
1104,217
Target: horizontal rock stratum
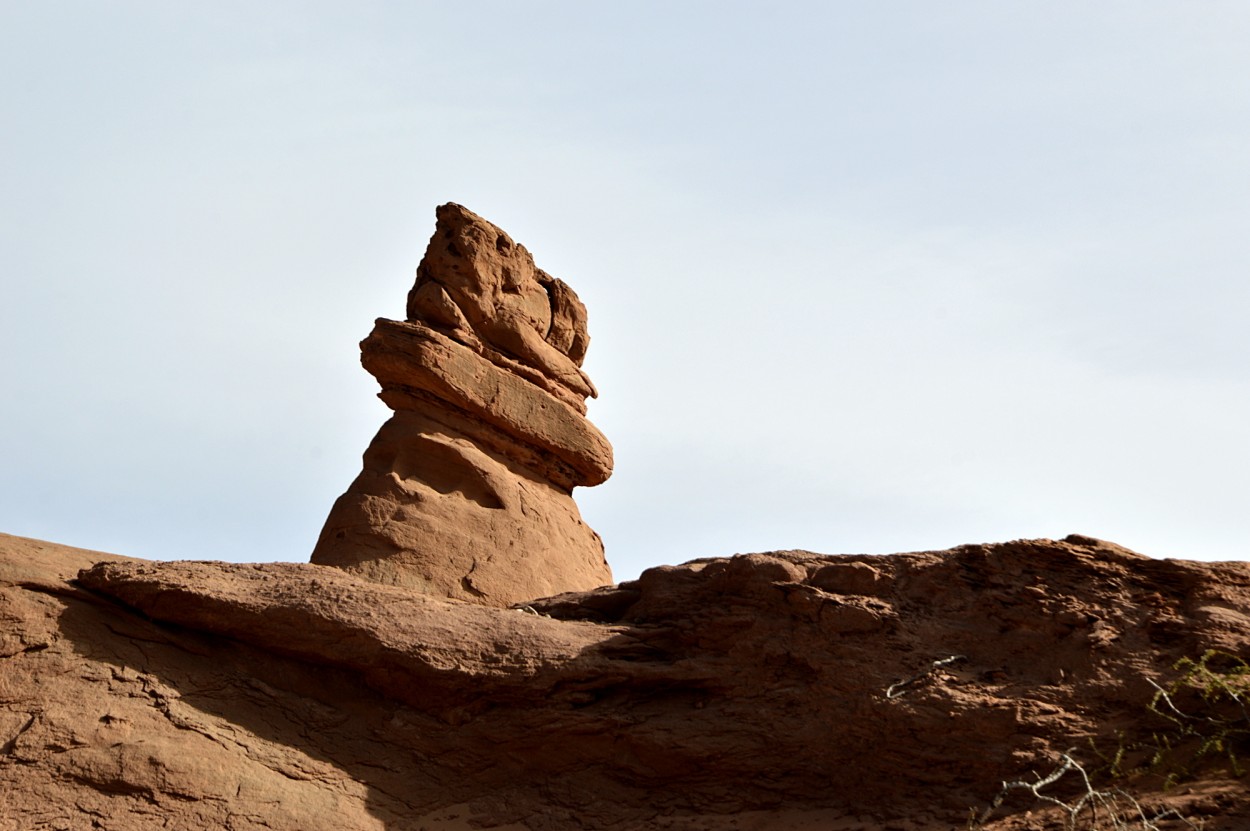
784,690
466,491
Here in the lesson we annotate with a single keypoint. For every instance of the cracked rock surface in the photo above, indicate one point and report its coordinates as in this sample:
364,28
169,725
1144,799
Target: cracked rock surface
778,690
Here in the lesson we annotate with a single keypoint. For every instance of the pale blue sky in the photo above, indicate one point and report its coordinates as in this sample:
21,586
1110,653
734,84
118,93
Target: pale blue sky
862,277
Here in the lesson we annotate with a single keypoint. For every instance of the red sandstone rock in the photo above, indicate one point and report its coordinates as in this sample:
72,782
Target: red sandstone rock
418,367
781,690
484,290
466,491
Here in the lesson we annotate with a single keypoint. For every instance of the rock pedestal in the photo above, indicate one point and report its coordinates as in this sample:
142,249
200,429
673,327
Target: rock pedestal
466,491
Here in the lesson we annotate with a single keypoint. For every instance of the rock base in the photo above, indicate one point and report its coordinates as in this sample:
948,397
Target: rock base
436,511
765,691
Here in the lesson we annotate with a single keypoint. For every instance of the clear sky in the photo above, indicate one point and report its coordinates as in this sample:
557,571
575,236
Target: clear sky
862,276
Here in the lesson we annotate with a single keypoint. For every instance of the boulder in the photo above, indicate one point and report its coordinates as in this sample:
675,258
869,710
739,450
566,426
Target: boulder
466,491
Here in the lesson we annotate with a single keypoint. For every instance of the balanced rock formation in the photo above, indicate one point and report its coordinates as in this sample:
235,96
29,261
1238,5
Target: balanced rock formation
466,491
784,690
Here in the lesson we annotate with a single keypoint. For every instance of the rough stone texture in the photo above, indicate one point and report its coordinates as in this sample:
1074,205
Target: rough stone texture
467,491
781,690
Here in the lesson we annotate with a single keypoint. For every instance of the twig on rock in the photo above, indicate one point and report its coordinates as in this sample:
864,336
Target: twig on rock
896,689
1118,809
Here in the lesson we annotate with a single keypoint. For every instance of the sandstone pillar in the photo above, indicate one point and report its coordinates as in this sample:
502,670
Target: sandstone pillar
466,491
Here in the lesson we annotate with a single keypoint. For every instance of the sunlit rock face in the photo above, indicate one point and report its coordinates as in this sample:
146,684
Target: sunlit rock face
466,491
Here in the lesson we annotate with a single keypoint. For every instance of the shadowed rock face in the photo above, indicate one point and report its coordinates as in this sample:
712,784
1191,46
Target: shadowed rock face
466,491
785,690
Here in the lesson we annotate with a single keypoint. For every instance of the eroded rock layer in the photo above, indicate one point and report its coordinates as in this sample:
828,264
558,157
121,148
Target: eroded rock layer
466,491
780,690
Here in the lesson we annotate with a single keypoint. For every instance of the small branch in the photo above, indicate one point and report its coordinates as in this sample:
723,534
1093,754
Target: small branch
896,689
1119,806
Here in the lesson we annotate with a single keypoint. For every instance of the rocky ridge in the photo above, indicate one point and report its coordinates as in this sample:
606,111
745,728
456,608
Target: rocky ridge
778,690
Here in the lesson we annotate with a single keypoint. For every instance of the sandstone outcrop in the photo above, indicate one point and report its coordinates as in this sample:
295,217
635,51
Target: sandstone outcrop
466,491
763,691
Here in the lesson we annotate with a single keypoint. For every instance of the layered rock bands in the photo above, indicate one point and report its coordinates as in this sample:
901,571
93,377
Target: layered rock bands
466,491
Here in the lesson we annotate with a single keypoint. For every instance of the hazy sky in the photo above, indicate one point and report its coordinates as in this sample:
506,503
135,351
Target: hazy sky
862,277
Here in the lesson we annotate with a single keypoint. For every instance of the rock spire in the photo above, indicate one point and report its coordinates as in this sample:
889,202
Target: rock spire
466,491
